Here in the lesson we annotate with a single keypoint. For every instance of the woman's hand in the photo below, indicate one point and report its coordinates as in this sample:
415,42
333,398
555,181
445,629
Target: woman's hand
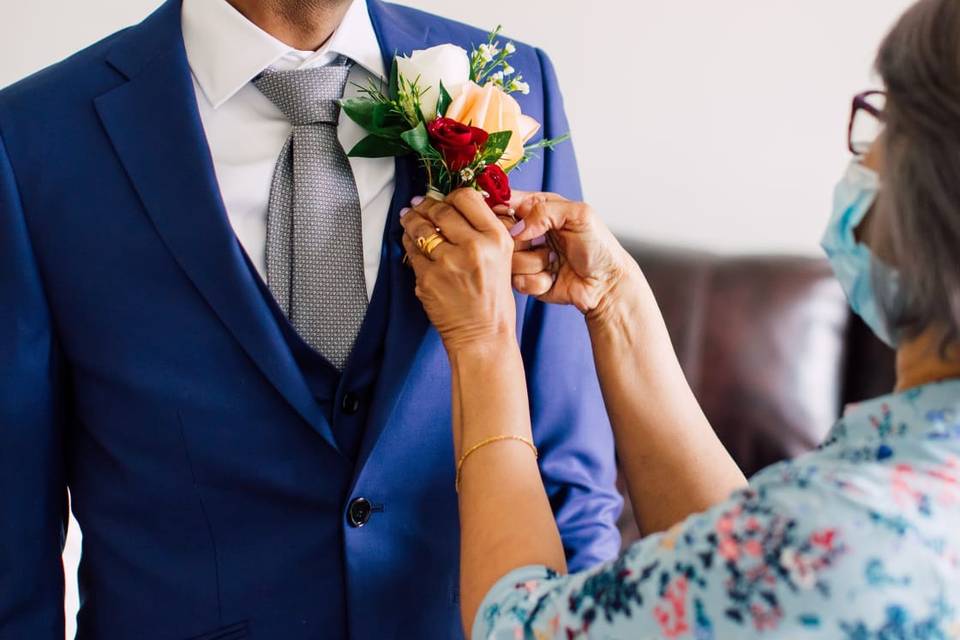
589,263
465,285
672,460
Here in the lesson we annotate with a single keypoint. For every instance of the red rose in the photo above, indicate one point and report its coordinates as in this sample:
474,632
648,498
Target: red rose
458,143
496,183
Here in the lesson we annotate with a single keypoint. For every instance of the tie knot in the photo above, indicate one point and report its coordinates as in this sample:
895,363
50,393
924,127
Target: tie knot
306,96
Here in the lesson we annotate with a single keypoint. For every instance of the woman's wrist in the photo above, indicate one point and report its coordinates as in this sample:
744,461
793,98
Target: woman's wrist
488,377
621,296
482,347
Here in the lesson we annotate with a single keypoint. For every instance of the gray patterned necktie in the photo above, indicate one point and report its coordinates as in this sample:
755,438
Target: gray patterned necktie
314,239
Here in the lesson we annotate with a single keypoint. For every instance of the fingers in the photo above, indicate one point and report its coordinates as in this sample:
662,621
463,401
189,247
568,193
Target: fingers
535,285
538,217
506,216
527,263
534,271
519,197
452,224
471,204
521,205
417,227
415,257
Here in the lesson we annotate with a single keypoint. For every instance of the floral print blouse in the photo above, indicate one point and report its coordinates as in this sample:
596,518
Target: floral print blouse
859,540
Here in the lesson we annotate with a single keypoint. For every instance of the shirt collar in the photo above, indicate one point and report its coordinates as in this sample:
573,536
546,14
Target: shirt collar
928,412
226,51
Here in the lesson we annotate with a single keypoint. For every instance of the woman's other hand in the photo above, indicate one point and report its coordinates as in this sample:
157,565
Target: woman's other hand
465,284
587,264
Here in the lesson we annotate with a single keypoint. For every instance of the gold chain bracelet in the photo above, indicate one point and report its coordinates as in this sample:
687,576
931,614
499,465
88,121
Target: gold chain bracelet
483,443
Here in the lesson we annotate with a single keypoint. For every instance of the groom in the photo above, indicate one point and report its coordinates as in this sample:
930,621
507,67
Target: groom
255,433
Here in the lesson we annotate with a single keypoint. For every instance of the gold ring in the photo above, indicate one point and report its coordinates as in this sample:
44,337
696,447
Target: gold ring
430,243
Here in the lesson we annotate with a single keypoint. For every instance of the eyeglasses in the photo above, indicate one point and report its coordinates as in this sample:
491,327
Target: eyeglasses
866,121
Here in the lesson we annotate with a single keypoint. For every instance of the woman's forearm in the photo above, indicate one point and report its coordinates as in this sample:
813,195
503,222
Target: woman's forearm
506,520
674,463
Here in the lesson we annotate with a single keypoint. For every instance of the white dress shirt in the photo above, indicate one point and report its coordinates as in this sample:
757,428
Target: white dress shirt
246,131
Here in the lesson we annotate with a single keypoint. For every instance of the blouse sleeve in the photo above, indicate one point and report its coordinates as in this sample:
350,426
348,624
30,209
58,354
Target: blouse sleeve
744,565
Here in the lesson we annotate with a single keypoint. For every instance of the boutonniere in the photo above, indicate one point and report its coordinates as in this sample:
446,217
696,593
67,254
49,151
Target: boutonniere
455,111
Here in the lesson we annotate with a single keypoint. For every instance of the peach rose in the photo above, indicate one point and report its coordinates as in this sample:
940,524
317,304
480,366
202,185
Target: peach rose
492,109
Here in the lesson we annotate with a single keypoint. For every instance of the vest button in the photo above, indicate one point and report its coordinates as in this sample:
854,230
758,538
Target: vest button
358,513
350,403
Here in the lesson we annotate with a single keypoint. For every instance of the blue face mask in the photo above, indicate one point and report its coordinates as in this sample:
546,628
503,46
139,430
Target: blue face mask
858,270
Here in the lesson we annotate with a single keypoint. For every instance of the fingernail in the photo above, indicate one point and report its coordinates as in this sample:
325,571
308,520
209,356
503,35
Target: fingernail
539,242
554,257
404,211
417,200
518,228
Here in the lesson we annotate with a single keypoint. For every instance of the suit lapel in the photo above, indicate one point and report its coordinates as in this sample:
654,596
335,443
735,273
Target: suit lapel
407,323
154,125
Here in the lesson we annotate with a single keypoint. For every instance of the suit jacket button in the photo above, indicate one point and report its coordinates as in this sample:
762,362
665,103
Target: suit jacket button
358,513
350,403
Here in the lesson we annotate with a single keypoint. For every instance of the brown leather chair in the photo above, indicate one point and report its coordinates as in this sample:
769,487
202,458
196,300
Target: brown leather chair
769,346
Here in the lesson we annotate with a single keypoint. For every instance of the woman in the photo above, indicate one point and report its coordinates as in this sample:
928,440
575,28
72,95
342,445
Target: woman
856,540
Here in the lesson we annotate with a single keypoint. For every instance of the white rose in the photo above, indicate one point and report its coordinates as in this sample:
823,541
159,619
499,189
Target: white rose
447,63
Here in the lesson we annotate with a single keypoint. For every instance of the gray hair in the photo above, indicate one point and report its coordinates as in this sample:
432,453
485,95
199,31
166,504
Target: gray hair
918,212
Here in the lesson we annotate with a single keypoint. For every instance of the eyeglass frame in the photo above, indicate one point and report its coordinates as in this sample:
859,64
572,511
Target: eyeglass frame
861,103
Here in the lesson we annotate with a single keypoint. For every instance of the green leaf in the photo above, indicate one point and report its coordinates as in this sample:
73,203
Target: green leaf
382,116
445,100
548,143
496,146
361,111
387,123
419,110
377,118
394,86
430,153
530,151
378,147
418,139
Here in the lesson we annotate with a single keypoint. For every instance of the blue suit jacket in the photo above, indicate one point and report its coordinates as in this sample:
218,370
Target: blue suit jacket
141,367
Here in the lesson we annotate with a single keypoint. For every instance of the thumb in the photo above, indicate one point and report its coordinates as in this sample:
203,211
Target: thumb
538,217
518,198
